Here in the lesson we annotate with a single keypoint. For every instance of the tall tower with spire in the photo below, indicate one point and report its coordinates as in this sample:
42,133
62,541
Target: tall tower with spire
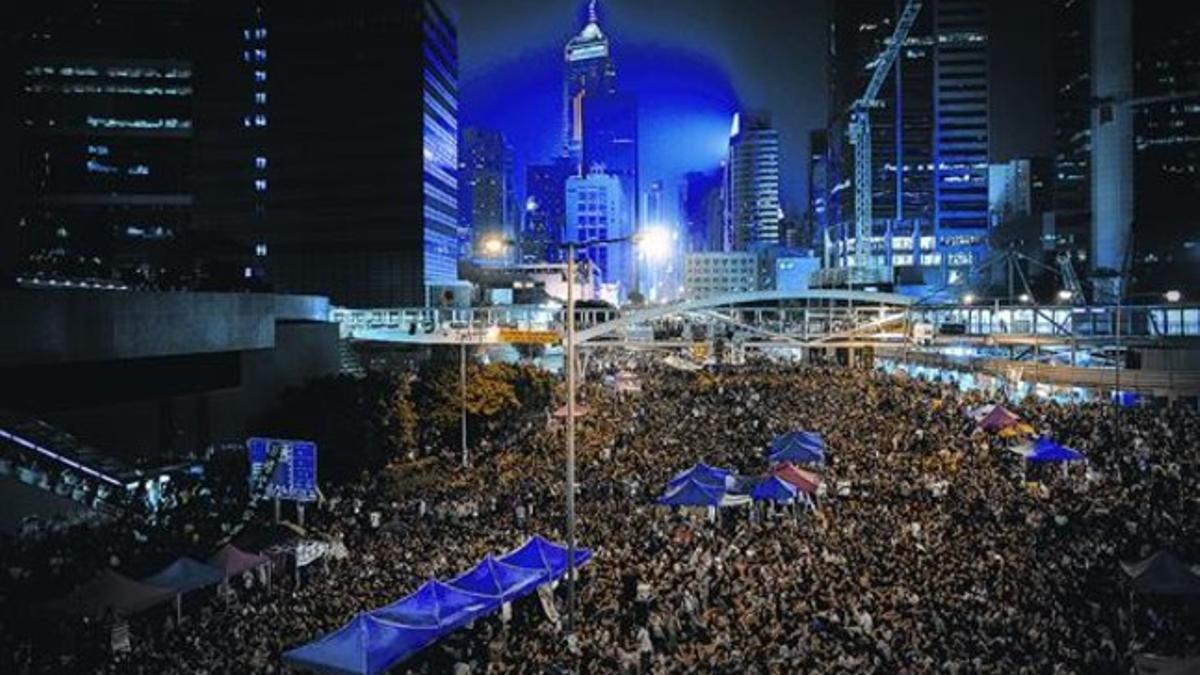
588,72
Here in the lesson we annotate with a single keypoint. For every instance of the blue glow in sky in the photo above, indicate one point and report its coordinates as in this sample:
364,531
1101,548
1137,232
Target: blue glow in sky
692,63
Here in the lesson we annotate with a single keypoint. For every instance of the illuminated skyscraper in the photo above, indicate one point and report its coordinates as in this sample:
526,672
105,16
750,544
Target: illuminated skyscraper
545,210
588,72
487,193
594,210
752,182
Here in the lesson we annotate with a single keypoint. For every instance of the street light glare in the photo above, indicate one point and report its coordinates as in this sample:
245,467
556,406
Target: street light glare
654,242
493,245
1065,294
968,298
1024,297
1173,296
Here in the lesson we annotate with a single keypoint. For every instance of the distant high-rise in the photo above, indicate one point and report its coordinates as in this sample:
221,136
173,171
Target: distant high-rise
545,210
331,145
589,72
594,210
752,181
702,211
101,133
610,143
487,190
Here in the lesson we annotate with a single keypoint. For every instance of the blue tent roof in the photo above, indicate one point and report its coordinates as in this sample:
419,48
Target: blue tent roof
496,579
774,489
544,556
701,473
436,605
801,447
691,493
1046,450
366,645
186,574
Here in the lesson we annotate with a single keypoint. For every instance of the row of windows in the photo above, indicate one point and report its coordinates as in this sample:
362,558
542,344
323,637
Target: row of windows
175,73
119,89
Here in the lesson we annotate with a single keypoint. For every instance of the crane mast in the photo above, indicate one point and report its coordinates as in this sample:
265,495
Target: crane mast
859,132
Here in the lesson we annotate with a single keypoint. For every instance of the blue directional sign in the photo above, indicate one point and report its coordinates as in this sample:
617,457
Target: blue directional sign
295,474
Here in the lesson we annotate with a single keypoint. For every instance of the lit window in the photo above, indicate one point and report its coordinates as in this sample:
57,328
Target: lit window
260,162
260,184
260,120
260,250
260,97
260,33
260,76
247,272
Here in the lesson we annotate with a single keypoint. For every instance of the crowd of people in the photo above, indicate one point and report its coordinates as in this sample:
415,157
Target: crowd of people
927,551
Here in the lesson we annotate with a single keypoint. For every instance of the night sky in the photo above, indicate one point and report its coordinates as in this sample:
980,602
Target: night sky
692,63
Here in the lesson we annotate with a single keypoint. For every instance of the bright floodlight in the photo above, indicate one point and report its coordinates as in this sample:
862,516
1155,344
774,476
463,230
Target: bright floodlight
654,242
1173,296
1065,294
1024,297
968,298
493,245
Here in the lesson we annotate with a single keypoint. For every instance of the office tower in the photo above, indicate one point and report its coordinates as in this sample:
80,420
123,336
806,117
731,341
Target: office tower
720,273
752,181
1111,133
333,151
610,143
703,212
545,210
1072,126
487,191
102,132
1166,147
960,145
588,72
594,210
819,187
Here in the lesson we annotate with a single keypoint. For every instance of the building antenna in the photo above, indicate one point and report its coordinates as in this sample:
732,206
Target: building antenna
592,18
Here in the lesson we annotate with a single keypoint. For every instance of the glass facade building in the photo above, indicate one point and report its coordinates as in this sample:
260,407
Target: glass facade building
752,182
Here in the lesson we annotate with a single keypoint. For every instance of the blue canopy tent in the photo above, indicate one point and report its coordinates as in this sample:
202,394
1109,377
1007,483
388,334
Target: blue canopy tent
544,556
436,605
365,646
496,579
774,489
1046,450
801,447
702,473
186,574
692,493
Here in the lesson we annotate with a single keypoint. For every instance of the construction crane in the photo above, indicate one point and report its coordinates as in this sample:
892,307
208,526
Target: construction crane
859,132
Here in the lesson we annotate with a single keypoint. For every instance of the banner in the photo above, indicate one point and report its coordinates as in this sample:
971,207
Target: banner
308,552
546,595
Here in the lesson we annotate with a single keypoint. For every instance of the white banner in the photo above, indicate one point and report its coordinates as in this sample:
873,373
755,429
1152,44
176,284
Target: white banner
308,552
546,595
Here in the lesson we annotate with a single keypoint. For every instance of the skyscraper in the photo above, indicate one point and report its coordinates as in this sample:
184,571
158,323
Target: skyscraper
702,211
588,72
594,210
610,143
348,184
545,210
103,131
960,145
752,181
487,193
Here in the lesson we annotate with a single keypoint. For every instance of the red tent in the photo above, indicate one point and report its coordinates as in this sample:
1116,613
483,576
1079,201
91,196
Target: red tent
233,560
805,481
109,590
998,418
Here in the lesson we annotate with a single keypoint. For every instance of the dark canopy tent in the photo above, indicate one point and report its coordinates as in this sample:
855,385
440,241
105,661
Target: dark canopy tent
998,418
774,489
364,646
436,605
496,579
692,493
110,591
1162,574
702,473
544,556
186,574
233,560
1046,450
805,447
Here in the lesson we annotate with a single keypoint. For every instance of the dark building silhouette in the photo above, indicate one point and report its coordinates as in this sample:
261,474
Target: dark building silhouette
487,190
545,210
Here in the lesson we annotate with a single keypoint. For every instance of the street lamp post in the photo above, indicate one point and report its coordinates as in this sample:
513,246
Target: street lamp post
462,394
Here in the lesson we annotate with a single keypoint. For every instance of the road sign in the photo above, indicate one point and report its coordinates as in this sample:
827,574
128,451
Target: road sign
295,473
535,337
